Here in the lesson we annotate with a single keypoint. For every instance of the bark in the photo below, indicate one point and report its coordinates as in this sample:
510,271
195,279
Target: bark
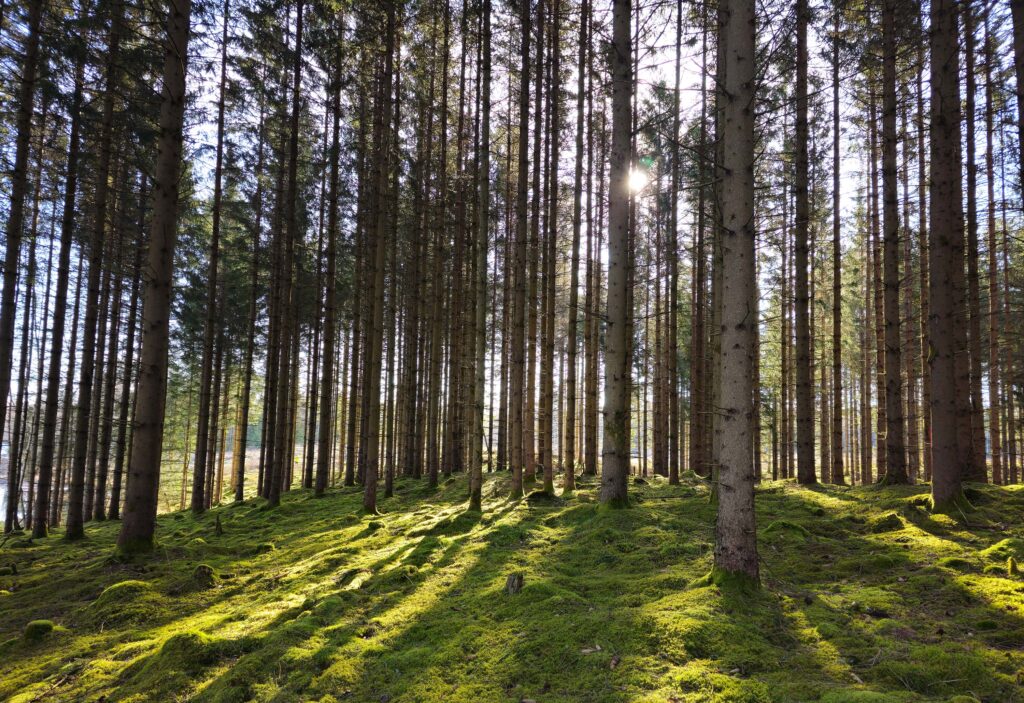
735,534
922,237
945,252
330,295
281,463
671,352
76,514
483,229
895,459
615,452
129,361
994,307
804,394
574,265
199,467
139,520
838,474
517,380
18,193
380,243
978,470
67,233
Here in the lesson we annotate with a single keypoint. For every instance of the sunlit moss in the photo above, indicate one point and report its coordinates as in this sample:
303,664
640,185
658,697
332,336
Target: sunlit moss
315,602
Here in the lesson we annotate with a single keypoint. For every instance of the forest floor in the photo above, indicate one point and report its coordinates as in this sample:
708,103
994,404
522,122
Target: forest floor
867,598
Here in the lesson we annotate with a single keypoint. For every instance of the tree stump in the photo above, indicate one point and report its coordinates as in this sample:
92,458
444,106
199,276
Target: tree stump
514,583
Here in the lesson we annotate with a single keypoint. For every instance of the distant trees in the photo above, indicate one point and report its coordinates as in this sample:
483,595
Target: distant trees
435,237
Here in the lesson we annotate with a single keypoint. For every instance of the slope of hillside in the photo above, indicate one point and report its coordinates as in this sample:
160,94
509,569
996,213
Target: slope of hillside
867,598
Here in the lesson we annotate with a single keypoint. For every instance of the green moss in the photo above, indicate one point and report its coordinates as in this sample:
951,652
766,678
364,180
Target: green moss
783,527
38,630
958,564
889,522
617,605
935,669
855,696
202,576
1004,549
124,602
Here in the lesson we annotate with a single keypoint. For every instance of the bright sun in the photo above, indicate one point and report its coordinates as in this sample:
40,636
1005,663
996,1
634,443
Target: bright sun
637,180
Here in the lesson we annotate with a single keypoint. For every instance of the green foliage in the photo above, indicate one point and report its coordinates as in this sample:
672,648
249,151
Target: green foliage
308,602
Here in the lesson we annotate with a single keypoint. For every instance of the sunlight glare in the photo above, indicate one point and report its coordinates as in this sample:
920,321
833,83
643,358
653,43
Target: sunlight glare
637,180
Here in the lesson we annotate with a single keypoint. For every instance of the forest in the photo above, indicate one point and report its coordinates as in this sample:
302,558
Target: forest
512,350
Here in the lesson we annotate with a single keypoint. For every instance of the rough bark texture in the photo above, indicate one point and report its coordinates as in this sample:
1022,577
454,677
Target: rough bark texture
615,452
804,394
895,459
735,534
139,520
945,253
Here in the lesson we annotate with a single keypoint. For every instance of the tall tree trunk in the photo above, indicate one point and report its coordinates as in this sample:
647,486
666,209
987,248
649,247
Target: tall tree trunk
518,376
837,279
147,434
574,265
330,296
375,334
923,257
978,470
484,195
671,362
804,394
281,464
994,307
67,233
735,534
945,253
199,467
18,193
129,361
615,453
76,512
895,459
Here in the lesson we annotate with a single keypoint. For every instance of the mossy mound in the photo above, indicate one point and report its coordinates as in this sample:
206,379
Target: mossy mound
958,564
203,576
783,528
890,522
1004,549
170,671
38,630
122,603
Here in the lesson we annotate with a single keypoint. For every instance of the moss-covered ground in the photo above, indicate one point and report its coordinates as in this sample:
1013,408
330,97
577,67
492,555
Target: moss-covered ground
867,598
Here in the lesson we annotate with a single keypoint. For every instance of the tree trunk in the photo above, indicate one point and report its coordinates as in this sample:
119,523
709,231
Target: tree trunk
76,512
978,469
895,459
67,233
16,212
484,195
838,475
615,452
735,533
147,433
945,253
804,394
